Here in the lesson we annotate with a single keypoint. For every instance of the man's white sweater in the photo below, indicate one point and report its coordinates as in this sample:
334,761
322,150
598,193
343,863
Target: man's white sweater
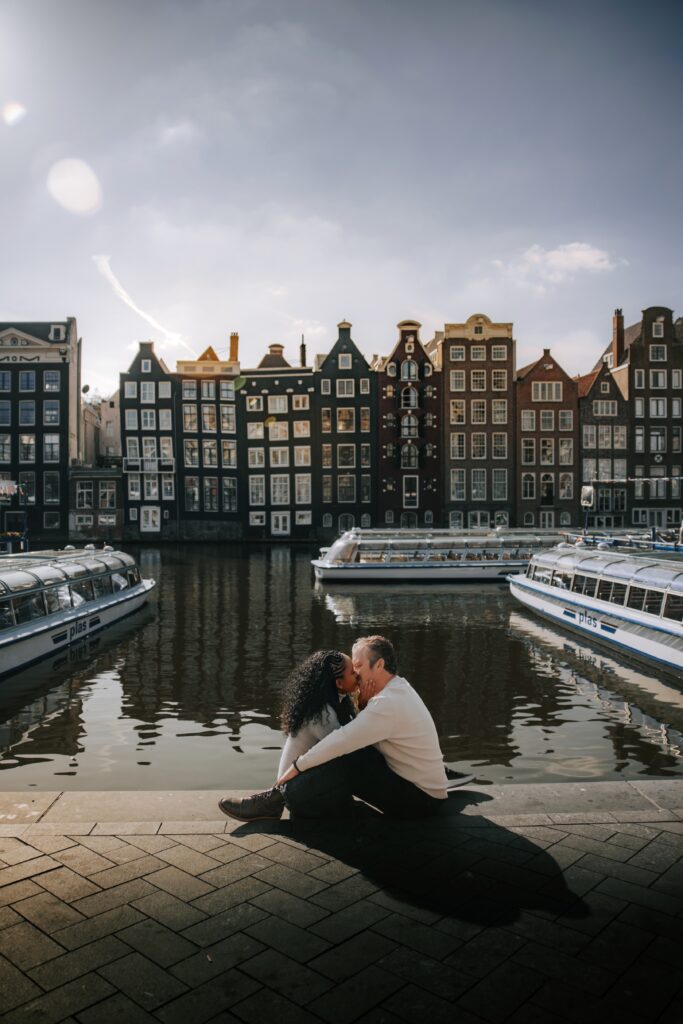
397,722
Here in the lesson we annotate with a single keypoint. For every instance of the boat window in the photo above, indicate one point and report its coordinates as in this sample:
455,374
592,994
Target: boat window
16,580
653,602
63,596
590,586
636,598
673,609
48,573
618,595
6,616
133,577
542,575
102,586
74,569
604,590
579,583
561,579
119,581
51,600
82,592
28,607
94,565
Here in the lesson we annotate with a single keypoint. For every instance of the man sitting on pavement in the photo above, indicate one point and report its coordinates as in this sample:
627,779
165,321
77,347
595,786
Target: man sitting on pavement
388,755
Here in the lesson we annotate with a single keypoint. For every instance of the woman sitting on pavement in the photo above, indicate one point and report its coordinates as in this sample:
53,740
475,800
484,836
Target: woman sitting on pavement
316,702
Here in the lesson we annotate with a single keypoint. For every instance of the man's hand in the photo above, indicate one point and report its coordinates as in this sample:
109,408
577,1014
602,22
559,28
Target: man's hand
366,691
291,773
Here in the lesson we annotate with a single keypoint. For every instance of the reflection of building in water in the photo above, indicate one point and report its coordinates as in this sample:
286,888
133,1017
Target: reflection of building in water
647,715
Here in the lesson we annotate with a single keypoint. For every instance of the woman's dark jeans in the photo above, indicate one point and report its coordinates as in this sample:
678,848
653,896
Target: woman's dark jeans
328,790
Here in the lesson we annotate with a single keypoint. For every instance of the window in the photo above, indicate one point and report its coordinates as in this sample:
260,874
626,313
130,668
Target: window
192,494
409,425
499,352
279,489
499,410
51,488
256,458
279,457
547,451
131,419
639,407
547,419
5,447
130,389
209,453
676,408
478,380
346,488
302,455
191,452
566,451
528,451
208,389
209,419
658,439
50,380
566,486
604,407
302,428
164,389
639,378
229,494
676,378
229,454
84,494
457,353
365,456
619,436
150,486
658,330
345,361
458,414
478,353
565,419
27,447
589,435
365,386
546,391
500,446
146,365
228,421
134,485
277,404
211,494
457,446
457,485
257,518
365,420
479,446
27,488
327,488
408,369
409,398
27,414
346,420
327,456
27,380
346,456
457,380
107,494
300,403
254,431
409,456
147,391
167,486
257,490
478,410
189,390
346,388
478,485
410,492
189,417
528,419
254,403
148,419
165,422
326,421
658,408
365,492
325,386
499,380
302,488
499,482
278,431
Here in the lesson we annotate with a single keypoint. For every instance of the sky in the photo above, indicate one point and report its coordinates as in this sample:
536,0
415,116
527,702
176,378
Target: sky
181,169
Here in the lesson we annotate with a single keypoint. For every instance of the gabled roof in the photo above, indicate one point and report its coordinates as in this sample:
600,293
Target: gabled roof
585,382
208,355
36,330
631,334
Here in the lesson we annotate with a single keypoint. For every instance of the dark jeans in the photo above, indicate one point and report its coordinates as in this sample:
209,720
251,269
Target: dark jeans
328,790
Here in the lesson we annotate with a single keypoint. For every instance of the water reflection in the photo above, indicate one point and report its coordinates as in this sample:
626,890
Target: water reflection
186,694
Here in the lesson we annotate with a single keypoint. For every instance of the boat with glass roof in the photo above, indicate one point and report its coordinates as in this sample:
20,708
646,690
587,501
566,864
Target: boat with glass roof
632,603
51,599
361,555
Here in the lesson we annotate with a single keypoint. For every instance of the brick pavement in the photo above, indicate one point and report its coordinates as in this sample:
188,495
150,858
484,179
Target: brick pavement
521,918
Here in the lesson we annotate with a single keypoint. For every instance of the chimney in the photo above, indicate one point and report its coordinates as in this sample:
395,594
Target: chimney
302,352
617,337
234,346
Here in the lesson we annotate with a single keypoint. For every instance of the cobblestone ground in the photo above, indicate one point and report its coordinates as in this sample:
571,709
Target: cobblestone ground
523,919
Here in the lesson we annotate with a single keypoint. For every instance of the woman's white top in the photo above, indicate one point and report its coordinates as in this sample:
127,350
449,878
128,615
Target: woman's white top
399,724
308,735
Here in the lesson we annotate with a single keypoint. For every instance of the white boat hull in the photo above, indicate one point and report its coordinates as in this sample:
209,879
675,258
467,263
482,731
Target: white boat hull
416,572
39,639
620,632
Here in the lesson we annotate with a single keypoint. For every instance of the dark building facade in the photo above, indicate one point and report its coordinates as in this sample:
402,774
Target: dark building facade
409,434
40,378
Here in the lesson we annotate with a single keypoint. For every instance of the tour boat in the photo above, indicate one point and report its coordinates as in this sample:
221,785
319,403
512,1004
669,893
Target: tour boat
628,602
51,599
429,556
663,542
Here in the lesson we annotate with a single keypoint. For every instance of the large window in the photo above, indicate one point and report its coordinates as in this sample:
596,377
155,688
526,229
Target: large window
209,418
479,445
189,417
191,492
528,486
457,485
499,380
279,489
209,452
457,380
478,485
346,487
500,484
228,424
27,447
528,451
566,451
546,391
210,492
27,414
499,410
458,446
346,420
346,387
408,369
302,488
478,410
107,494
410,491
500,446
478,380
191,451
84,494
279,457
257,490
50,380
229,454
528,419
277,404
458,411
409,425
51,488
229,494
409,456
346,456
50,447
5,447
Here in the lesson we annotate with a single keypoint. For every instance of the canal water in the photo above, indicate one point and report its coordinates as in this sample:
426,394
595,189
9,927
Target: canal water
186,694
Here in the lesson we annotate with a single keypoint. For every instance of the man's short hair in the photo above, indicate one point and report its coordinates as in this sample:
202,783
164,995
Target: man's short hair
378,647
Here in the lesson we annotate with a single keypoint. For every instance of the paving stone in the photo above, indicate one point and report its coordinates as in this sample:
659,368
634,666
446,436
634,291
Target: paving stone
554,964
178,883
82,860
126,872
78,962
209,1000
236,869
118,1009
485,951
96,927
157,942
293,980
616,947
577,879
253,842
343,894
141,980
616,869
349,921
656,856
14,851
68,999
56,828
441,979
19,891
8,917
291,908
107,899
152,844
501,992
416,1005
102,844
558,1000
334,871
202,844
291,857
214,960
191,861
356,995
228,852
67,885
671,881
353,956
420,937
48,912
555,861
27,869
291,881
401,906
265,1005
219,927
126,828
289,939
193,827
168,910
51,844
631,893
26,946
15,987
549,933
380,1015
124,854
598,910
575,842
653,921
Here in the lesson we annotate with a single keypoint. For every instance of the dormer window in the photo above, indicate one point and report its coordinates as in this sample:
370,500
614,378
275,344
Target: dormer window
658,330
409,398
604,387
145,365
478,329
344,360
408,369
56,332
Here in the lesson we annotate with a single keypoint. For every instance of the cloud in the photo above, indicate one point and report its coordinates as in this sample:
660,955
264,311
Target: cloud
537,268
181,131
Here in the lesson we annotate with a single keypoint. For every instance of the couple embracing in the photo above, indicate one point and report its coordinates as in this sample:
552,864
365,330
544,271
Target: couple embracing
386,753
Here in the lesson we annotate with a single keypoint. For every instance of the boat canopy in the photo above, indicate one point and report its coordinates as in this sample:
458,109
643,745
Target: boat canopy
40,569
646,572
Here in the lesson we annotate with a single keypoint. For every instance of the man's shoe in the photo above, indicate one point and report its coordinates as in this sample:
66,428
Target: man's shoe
258,807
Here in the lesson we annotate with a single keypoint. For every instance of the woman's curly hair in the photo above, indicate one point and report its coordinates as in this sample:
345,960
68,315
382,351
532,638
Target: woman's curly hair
311,688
